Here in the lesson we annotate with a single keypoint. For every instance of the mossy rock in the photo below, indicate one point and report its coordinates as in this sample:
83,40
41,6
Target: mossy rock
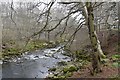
61,77
52,69
11,52
68,74
6,57
50,76
65,70
62,63
70,68
35,44
79,65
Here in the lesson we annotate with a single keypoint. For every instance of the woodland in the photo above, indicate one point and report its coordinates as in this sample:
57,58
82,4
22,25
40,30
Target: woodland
60,40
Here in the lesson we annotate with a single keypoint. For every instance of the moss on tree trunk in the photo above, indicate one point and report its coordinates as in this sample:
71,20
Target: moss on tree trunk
97,51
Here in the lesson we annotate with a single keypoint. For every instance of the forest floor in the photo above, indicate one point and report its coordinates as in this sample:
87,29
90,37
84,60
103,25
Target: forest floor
108,71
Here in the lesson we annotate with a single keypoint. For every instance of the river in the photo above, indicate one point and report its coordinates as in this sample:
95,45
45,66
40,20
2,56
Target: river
33,64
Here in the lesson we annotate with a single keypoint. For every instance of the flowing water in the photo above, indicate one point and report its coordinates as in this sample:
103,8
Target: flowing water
33,65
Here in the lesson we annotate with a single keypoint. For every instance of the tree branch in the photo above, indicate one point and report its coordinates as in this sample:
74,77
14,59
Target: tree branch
62,20
43,27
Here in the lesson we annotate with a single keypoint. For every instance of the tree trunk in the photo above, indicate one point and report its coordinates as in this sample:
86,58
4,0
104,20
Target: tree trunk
1,28
97,51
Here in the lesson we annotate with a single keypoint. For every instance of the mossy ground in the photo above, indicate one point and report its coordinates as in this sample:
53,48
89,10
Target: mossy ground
81,61
11,49
66,69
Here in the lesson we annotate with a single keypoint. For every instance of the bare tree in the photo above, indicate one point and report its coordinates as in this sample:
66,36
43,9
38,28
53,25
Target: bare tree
48,22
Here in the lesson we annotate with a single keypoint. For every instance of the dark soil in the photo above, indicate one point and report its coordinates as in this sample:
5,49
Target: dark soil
108,71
